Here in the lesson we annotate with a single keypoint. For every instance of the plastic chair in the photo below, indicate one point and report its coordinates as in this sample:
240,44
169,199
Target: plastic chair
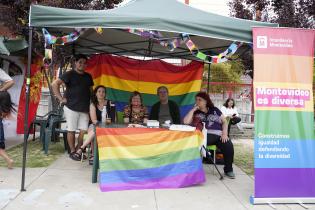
205,151
52,129
214,149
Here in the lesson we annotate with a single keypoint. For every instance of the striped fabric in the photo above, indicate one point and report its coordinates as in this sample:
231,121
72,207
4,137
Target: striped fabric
123,75
144,158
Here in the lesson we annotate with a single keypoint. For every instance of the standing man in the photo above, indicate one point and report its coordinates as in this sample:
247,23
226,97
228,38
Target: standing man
165,109
5,83
76,100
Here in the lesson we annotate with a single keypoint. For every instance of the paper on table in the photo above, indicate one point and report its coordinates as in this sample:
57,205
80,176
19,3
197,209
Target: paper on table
176,127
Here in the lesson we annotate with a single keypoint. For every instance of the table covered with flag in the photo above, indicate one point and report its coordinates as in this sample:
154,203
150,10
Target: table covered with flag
148,158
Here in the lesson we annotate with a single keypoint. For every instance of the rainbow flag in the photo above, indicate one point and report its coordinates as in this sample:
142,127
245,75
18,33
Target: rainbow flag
123,75
144,158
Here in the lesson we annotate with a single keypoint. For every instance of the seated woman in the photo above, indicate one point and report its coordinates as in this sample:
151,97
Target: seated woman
205,112
135,112
96,107
230,111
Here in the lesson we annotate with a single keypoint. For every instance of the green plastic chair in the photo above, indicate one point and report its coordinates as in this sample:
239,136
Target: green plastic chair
120,119
214,149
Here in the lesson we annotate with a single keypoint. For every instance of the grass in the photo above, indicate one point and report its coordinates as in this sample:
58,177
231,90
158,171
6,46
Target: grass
35,155
244,157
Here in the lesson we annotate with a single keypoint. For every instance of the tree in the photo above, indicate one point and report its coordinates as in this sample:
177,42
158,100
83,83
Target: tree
227,72
288,13
14,13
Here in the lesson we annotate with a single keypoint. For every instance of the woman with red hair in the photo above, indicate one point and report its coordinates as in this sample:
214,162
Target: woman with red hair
205,112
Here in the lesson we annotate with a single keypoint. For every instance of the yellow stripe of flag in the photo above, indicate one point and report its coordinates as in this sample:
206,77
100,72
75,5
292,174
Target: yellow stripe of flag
147,87
148,150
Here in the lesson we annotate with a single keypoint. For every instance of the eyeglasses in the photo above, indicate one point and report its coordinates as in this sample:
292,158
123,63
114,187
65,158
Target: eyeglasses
163,91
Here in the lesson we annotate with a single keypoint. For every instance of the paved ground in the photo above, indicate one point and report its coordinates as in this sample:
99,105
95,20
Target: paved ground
66,184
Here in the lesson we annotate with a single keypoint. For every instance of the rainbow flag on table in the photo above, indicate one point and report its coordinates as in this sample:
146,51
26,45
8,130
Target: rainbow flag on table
144,158
123,75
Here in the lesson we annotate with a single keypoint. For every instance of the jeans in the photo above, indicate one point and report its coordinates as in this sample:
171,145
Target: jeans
2,145
233,121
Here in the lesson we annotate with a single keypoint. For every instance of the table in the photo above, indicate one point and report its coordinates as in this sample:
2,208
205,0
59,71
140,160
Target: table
146,158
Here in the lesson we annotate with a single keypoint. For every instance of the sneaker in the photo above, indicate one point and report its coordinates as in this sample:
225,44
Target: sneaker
230,174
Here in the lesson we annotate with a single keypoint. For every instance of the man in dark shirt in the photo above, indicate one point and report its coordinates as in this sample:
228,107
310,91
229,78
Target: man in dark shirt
165,109
76,100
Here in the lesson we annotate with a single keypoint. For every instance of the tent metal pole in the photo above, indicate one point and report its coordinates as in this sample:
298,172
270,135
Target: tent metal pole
208,83
27,96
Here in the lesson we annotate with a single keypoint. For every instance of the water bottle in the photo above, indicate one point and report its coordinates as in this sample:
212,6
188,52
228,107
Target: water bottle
104,114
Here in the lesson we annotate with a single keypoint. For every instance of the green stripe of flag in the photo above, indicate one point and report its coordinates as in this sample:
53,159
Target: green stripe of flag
149,99
149,162
298,125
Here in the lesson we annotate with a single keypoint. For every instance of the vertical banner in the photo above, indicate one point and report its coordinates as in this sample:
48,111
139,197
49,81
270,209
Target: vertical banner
35,93
284,115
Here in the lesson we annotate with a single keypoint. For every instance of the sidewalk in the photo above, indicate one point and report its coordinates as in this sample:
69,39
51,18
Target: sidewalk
66,184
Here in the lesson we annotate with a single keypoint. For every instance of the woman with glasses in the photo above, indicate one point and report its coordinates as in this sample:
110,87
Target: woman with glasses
135,112
165,109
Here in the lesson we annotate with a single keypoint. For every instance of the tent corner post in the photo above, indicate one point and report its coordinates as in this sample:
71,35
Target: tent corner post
27,99
208,83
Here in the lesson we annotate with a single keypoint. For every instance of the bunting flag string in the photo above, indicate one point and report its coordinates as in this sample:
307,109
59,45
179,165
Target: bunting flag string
51,39
173,43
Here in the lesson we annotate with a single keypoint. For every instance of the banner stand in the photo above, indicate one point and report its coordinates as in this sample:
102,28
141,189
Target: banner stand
300,201
284,143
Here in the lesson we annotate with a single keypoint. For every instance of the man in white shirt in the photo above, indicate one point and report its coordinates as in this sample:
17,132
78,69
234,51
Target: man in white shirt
5,81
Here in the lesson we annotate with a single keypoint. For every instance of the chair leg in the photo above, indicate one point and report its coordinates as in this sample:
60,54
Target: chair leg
89,151
47,140
65,141
211,159
214,157
42,134
34,129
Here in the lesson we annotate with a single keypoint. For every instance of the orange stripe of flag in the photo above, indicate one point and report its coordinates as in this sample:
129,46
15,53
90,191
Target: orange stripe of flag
283,68
140,138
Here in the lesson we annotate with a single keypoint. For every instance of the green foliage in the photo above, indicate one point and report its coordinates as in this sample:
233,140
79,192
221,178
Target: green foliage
288,13
227,72
14,13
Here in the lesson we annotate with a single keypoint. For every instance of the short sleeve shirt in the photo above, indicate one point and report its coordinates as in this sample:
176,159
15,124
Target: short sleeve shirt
4,77
78,90
212,120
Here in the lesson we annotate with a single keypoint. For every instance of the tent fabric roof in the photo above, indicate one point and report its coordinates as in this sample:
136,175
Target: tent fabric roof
209,31
9,46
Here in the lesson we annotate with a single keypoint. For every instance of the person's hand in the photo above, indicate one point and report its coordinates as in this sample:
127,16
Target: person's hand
224,138
195,108
63,101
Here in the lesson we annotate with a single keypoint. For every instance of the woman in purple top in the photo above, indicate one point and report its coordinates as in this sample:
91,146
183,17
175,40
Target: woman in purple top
205,112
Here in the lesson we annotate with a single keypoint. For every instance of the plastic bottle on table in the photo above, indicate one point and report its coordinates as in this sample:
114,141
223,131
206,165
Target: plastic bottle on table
104,114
